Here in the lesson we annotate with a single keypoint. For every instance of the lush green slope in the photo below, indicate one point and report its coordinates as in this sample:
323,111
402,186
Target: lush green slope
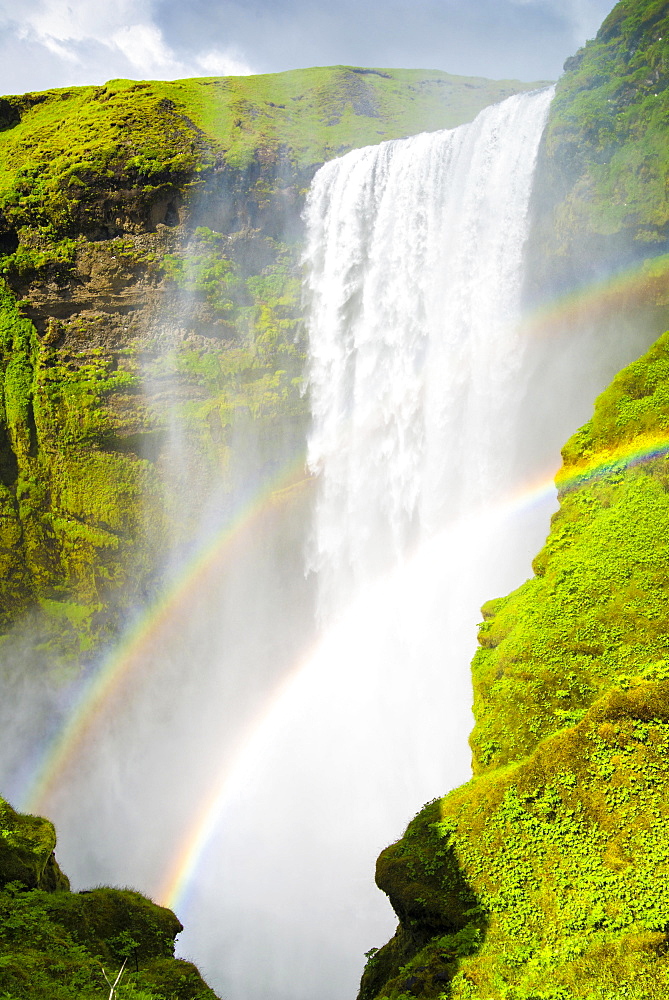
153,128
547,875
68,157
150,245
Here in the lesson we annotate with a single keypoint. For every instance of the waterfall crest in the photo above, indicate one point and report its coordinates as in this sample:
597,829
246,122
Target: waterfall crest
414,258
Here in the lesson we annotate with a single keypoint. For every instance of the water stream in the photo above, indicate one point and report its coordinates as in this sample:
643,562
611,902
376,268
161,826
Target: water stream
415,261
271,779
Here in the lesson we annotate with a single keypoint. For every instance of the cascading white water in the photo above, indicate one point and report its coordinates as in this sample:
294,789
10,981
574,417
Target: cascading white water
415,267
414,258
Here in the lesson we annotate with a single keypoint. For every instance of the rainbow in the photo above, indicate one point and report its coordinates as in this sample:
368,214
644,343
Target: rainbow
627,455
646,282
174,891
104,683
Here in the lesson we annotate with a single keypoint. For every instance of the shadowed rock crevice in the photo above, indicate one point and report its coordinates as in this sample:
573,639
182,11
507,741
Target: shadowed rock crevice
9,467
441,919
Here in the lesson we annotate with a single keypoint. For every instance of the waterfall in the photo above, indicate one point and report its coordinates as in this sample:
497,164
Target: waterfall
415,265
414,260
417,368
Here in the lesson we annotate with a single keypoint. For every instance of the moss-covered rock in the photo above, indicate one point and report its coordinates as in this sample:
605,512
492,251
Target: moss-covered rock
57,945
27,845
600,195
546,875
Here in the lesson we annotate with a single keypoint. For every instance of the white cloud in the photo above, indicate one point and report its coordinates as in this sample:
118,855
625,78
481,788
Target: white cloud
60,50
78,20
144,48
217,63
62,42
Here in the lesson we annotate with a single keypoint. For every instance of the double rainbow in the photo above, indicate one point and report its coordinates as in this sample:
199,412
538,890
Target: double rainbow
174,891
115,672
107,681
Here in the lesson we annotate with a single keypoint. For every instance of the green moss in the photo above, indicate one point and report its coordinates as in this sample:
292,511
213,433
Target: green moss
604,166
27,844
69,155
73,509
555,853
57,945
597,610
87,499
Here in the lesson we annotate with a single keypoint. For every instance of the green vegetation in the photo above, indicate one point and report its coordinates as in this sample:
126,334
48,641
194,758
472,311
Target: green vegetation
150,246
320,113
57,945
601,192
72,502
547,875
63,150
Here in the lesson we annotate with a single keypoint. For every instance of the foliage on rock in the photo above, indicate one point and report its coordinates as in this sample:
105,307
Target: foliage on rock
72,497
546,875
55,944
600,196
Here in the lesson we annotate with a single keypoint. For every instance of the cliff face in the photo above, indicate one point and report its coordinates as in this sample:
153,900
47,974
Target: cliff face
149,243
600,199
546,875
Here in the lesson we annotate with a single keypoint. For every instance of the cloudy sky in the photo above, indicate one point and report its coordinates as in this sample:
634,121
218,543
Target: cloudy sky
54,43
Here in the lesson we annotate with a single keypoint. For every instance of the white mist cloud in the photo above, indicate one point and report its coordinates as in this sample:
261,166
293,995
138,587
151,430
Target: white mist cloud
144,48
68,21
584,16
230,63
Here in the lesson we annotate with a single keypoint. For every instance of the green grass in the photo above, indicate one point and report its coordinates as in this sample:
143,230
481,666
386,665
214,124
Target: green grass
322,112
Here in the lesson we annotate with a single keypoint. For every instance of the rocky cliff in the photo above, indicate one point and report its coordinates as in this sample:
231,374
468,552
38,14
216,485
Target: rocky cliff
149,248
546,875
600,201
